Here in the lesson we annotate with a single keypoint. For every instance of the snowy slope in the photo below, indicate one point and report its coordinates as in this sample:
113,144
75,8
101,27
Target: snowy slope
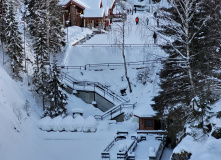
20,139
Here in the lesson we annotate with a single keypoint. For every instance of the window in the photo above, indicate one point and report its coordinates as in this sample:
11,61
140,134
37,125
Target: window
149,122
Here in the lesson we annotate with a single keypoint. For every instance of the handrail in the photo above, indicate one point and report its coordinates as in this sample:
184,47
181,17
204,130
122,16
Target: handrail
113,110
116,45
105,90
109,146
72,67
110,64
95,85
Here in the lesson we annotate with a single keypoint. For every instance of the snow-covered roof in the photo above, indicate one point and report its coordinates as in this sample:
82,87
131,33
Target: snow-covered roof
80,2
144,110
85,3
89,13
92,4
107,4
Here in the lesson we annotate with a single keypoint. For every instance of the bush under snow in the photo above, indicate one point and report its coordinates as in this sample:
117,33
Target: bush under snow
90,124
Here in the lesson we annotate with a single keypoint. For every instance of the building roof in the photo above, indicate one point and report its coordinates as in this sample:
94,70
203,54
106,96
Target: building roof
79,3
95,13
142,110
92,4
91,7
107,4
85,3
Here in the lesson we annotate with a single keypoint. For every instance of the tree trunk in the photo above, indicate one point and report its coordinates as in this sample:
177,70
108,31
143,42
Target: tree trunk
187,14
125,65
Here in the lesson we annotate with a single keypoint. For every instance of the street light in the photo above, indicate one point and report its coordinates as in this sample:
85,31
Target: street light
82,23
67,24
24,44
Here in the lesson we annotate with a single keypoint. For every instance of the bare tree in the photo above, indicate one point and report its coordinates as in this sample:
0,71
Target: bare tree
121,31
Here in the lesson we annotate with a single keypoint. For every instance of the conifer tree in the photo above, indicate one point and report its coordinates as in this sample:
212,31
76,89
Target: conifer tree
14,43
57,97
56,30
3,22
187,77
40,80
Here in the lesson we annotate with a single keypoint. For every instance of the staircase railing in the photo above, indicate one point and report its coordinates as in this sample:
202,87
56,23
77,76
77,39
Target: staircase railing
91,66
104,91
111,112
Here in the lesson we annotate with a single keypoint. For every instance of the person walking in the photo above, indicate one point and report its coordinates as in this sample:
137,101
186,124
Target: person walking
155,37
158,23
136,20
147,20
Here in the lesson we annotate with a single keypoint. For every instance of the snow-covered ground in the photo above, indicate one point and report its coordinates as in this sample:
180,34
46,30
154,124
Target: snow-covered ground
20,137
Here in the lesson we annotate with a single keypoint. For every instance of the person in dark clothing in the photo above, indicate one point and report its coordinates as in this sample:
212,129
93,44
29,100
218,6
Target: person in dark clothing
155,37
136,20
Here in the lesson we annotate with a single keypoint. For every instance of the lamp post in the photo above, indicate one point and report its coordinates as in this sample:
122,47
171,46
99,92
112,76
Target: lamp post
24,44
67,24
82,16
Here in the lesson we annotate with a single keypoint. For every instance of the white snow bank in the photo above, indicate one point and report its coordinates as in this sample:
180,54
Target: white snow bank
65,124
77,124
52,125
90,124
152,152
42,123
103,126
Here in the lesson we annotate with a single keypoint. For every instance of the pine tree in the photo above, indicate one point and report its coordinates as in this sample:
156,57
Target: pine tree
56,32
32,15
187,77
206,61
40,80
3,21
56,96
14,43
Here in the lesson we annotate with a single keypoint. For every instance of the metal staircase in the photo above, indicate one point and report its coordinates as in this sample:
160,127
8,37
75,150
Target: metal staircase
119,102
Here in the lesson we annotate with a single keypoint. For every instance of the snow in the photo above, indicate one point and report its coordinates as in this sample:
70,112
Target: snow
90,124
65,124
21,138
42,124
88,13
53,124
77,124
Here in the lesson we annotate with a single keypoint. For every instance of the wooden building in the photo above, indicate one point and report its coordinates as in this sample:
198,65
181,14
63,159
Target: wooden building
147,118
150,123
87,13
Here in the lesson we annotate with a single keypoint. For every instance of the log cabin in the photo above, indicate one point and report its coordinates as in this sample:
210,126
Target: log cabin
87,13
